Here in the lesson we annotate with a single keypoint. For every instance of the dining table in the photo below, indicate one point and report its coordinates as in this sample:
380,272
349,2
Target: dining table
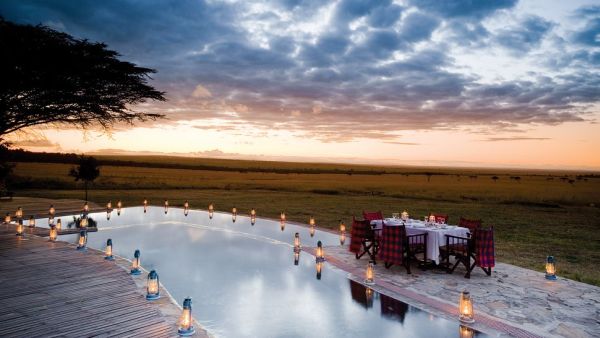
436,233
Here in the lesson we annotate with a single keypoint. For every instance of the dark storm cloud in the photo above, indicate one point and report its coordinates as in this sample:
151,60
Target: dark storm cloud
368,68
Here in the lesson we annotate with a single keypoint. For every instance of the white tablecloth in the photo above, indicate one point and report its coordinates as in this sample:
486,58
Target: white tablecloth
435,237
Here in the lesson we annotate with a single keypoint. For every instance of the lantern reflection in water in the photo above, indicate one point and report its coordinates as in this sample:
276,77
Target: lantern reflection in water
320,256
82,241
296,257
465,332
465,308
319,269
297,247
19,213
186,208
166,206
135,263
53,233
58,224
7,218
152,287
282,216
31,222
108,252
211,210
234,214
145,205
119,206
342,233
51,210
186,327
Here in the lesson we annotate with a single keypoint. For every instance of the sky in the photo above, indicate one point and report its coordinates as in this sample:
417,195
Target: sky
501,83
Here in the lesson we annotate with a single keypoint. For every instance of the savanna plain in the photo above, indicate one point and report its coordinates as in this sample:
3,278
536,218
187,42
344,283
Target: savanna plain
534,213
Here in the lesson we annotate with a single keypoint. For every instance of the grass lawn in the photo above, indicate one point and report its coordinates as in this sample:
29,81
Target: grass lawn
539,213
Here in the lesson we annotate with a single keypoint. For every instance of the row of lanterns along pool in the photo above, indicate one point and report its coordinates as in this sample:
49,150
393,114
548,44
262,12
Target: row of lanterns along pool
465,302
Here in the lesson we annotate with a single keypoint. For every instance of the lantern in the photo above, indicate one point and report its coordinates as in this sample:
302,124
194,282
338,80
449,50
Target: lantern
19,213
342,233
58,224
465,308
319,253
297,247
152,287
296,257
211,210
53,233
252,213
7,218
145,205
119,206
109,206
185,321
319,268
31,222
51,211
404,216
369,296
370,274
550,268
83,222
86,207
311,221
234,214
20,228
108,252
465,332
186,205
312,231
82,241
135,263
282,217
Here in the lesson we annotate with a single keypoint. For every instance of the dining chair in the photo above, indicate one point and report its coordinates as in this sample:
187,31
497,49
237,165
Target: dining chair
479,246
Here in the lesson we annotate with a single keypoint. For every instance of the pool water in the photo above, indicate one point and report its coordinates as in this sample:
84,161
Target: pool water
243,281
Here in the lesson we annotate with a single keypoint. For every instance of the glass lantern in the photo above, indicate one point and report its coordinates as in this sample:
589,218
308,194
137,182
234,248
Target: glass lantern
311,221
108,252
51,210
342,233
404,215
234,214
20,228
135,263
370,274
186,205
53,233
166,206
319,269
282,216
186,328
465,308
152,287
550,268
311,231
119,206
82,241
297,247
109,206
319,253
296,257
145,205
465,332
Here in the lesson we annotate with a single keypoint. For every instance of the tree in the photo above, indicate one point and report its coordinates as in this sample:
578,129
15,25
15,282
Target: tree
495,178
87,171
6,167
49,77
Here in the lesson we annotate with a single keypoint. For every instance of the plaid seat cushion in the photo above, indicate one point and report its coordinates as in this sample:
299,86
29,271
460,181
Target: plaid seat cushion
358,233
484,247
392,244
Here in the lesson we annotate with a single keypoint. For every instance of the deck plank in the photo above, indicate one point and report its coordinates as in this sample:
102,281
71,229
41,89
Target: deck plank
50,289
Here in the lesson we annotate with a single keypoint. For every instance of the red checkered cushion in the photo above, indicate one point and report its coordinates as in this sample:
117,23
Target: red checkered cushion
441,218
372,216
392,244
358,232
484,247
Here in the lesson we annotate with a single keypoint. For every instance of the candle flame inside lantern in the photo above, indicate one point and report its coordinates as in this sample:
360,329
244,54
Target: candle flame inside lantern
465,308
108,252
550,268
370,273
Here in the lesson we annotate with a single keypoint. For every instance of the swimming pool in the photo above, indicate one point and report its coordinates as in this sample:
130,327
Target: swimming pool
243,280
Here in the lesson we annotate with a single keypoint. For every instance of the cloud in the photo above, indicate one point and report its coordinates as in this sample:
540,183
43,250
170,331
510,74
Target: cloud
327,69
517,138
41,142
201,92
526,35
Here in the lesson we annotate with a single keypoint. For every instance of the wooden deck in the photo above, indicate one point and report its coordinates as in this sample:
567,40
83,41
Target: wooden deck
48,289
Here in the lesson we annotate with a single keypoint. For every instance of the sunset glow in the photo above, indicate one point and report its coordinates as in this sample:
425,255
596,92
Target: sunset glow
503,83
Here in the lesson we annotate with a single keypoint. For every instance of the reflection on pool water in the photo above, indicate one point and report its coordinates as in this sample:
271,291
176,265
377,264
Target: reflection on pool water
244,282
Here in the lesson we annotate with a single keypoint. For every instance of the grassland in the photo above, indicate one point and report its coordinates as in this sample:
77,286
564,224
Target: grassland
536,214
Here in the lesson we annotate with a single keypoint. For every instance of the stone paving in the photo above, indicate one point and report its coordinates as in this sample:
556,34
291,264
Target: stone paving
515,296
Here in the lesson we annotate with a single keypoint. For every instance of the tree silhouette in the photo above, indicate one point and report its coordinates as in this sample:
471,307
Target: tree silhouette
495,178
87,171
49,77
6,167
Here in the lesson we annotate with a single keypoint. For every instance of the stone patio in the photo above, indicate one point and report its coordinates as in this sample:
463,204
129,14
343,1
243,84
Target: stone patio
513,301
